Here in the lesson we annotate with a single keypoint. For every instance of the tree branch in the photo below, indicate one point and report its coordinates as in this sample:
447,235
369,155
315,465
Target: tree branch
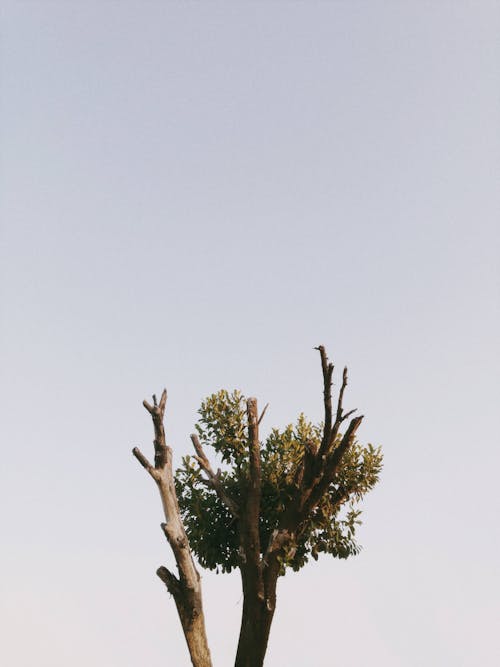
327,369
213,479
318,468
345,443
348,414
341,395
339,417
144,461
263,413
331,467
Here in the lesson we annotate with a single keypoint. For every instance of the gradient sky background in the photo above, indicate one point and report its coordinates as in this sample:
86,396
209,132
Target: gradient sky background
193,195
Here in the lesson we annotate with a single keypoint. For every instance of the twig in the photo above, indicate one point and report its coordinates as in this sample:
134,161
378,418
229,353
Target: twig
263,413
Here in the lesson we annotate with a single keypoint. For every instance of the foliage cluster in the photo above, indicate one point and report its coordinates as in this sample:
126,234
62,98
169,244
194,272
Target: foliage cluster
213,531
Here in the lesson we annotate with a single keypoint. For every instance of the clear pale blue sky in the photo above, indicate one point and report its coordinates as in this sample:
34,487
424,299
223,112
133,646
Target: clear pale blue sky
193,195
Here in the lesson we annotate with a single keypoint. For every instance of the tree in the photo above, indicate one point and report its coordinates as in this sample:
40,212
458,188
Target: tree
272,505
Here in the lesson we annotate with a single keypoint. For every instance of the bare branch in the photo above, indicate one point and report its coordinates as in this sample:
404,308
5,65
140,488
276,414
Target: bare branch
263,413
345,443
213,479
320,485
324,358
348,414
144,462
341,395
340,417
141,458
199,450
327,369
163,401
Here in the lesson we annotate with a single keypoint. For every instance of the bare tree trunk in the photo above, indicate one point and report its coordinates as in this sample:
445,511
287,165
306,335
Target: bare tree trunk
186,588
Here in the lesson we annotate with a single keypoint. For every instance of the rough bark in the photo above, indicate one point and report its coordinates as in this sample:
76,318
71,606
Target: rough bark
186,587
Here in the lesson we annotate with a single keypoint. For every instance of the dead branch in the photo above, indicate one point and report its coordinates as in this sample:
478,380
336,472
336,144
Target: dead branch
263,413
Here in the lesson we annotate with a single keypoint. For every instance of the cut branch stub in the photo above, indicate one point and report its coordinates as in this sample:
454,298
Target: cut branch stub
142,459
145,463
170,580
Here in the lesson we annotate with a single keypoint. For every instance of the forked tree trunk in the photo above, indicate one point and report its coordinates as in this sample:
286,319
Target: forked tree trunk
186,588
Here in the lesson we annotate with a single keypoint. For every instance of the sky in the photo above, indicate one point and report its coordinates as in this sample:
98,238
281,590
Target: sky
193,196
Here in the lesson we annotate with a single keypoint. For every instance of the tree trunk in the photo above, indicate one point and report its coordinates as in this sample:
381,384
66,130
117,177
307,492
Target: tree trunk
189,607
256,619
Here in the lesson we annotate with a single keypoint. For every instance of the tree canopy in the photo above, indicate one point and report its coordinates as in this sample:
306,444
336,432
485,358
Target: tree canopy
212,529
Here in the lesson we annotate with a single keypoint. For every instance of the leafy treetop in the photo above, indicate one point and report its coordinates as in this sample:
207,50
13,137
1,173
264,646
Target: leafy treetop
212,528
